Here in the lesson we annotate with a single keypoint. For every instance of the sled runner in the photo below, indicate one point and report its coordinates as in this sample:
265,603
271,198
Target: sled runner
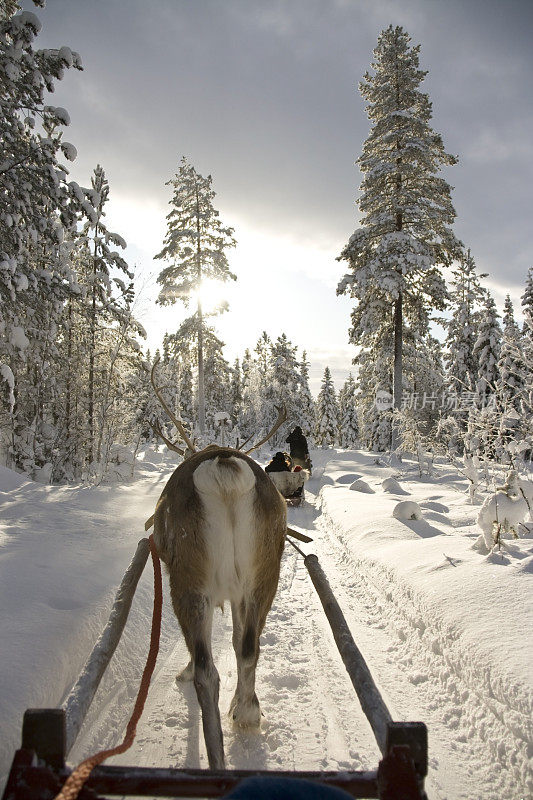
39,769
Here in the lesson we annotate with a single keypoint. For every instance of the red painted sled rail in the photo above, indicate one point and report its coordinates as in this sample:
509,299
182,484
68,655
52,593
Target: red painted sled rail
39,767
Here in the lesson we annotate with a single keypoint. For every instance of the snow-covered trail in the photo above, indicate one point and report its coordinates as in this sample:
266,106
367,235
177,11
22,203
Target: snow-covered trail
312,718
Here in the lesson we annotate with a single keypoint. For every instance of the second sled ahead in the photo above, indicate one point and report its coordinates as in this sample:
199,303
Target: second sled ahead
290,485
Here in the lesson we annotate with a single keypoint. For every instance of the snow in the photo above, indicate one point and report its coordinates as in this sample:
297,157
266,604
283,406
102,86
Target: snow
361,486
391,485
221,416
407,509
69,151
60,113
18,338
66,55
442,627
28,18
502,510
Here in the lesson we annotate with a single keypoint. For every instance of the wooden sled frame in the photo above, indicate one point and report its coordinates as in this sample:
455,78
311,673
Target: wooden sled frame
39,768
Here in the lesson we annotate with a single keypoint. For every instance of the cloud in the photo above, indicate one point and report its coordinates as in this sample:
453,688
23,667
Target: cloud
264,97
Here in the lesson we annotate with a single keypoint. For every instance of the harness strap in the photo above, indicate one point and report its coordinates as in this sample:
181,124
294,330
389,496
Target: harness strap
80,774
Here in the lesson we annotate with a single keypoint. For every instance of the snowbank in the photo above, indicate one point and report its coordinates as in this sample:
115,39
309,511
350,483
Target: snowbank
472,613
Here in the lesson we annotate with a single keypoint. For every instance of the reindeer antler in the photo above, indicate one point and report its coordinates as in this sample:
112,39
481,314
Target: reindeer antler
282,416
171,445
179,425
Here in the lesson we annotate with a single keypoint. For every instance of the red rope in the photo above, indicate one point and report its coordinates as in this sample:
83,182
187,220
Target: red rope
80,774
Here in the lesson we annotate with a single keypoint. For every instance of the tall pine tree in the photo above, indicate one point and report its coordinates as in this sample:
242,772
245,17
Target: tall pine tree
348,420
195,245
305,405
487,352
466,296
327,413
105,304
405,234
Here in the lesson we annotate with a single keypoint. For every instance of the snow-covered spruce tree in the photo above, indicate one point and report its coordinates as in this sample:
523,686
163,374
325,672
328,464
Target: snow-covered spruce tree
527,304
487,352
236,386
34,423
327,413
348,436
247,424
285,371
218,376
259,395
422,384
195,245
466,298
36,206
527,334
511,366
262,360
404,238
305,405
217,373
104,305
374,374
511,386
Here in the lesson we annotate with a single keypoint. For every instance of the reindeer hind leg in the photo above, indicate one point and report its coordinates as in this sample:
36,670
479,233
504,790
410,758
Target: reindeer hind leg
195,614
244,709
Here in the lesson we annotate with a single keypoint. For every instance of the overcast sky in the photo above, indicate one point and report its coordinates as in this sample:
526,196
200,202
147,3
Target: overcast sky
263,96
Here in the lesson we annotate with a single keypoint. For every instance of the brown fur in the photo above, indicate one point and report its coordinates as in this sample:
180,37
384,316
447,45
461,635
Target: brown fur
179,536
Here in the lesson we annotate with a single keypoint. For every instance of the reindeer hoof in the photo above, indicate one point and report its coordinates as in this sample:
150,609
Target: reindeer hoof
246,714
186,674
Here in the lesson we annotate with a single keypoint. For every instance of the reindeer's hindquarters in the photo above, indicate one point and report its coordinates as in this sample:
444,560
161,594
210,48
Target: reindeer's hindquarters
221,540
246,535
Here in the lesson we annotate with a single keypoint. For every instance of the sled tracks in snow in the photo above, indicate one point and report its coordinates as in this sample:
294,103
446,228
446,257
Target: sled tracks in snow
39,769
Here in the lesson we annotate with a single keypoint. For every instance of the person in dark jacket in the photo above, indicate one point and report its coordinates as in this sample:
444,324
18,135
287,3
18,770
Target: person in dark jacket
298,448
278,464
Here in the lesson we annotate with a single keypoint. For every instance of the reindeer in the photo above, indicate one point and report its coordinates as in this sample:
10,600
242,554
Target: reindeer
219,527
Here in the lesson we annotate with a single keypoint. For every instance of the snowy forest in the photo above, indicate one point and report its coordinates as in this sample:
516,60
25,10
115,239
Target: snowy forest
414,491
438,369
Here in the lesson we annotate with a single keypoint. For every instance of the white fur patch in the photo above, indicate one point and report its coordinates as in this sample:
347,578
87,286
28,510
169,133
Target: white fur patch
227,497
212,477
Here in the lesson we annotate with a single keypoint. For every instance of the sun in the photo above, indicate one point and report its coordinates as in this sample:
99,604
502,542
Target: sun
211,294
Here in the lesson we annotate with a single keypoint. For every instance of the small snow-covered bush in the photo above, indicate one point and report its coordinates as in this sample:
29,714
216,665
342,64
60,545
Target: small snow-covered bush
120,463
504,512
471,471
407,509
361,486
43,474
391,485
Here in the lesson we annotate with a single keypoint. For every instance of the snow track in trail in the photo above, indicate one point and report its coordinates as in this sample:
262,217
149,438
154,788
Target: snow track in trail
422,672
